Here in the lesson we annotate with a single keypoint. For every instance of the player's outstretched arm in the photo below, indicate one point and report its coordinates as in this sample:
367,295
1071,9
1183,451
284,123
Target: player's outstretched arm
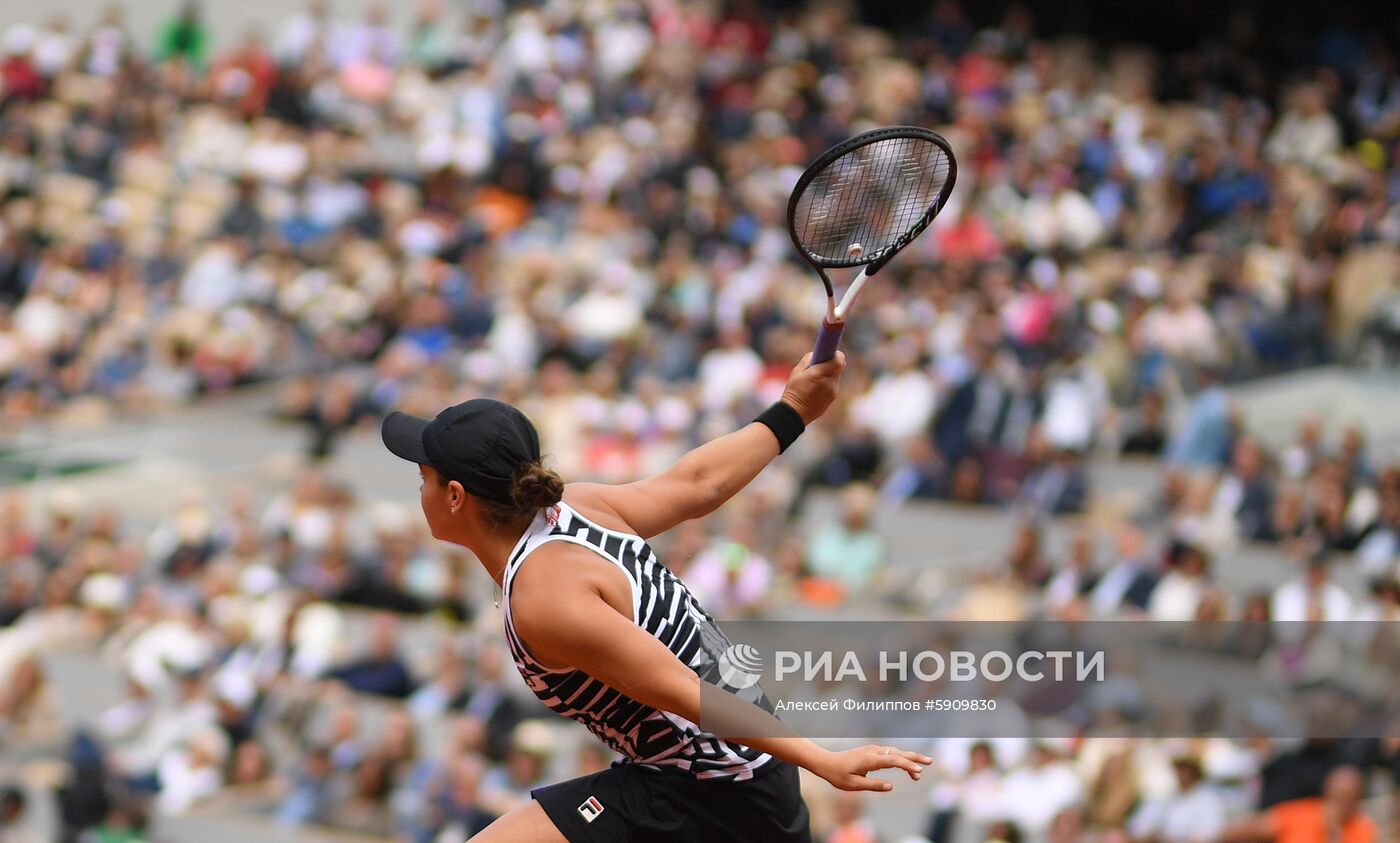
702,480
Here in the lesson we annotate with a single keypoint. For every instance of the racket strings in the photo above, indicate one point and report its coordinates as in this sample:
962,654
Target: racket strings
871,197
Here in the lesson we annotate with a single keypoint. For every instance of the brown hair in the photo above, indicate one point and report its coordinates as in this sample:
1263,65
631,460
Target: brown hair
533,488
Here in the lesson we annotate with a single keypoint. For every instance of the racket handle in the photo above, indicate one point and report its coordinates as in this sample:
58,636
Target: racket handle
828,337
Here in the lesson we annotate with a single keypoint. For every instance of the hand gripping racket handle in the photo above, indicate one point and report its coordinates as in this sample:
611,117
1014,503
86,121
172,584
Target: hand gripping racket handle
827,339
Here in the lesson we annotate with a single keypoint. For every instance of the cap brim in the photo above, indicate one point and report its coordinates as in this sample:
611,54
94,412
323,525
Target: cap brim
403,436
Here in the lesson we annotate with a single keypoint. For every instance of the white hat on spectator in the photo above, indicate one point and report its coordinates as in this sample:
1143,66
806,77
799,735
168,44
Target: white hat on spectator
1145,282
193,524
165,647
630,417
19,40
319,632
534,737
1229,761
235,687
1104,317
258,580
674,415
1062,747
482,367
211,742
389,517
113,211
1044,273
104,591
64,500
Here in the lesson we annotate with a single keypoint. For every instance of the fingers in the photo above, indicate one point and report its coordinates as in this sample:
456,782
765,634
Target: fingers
834,366
866,783
891,758
898,762
916,757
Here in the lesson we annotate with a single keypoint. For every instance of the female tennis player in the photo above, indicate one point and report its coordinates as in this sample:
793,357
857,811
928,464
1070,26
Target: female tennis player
604,634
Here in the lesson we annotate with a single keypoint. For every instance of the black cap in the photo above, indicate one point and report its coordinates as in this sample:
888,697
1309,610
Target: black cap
480,443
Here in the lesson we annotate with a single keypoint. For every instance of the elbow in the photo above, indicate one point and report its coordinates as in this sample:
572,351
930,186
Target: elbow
709,495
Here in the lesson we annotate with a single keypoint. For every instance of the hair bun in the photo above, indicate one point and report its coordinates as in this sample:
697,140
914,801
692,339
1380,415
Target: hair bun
535,487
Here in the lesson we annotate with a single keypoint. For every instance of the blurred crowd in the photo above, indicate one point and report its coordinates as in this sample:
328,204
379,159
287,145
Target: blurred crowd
310,659
315,658
1325,512
489,202
579,207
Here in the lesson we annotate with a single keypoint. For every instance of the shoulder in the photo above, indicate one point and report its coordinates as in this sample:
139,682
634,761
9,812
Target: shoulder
591,501
561,578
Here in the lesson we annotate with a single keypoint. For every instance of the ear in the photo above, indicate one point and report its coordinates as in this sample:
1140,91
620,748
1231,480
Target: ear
456,496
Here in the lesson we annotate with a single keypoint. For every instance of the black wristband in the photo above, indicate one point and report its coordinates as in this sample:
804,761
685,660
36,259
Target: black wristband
785,423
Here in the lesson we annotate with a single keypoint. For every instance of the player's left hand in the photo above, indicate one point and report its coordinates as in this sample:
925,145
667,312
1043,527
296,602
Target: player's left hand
848,770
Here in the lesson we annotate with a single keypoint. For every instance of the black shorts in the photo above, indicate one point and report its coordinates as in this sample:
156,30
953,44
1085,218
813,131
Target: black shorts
627,803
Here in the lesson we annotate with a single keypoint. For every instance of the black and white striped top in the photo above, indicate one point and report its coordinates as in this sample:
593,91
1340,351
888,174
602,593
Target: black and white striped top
662,606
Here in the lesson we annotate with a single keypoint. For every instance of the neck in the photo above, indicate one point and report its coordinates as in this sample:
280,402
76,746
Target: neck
493,545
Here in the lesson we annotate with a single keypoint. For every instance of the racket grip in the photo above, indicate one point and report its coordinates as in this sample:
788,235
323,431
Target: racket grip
828,337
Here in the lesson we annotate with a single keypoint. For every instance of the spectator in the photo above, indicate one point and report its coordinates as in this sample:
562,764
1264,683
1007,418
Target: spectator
28,707
1128,582
1203,439
1246,492
14,823
508,784
184,36
1313,598
310,798
966,805
125,823
1146,433
1378,548
1037,792
1194,812
899,404
1307,134
460,805
1056,483
848,551
192,772
1178,595
366,809
731,577
1336,815
1077,578
851,823
445,690
382,672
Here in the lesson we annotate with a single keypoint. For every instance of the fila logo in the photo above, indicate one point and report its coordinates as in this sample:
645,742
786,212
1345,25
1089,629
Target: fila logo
591,808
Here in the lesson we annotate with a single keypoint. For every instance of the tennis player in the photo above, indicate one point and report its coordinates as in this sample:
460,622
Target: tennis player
606,635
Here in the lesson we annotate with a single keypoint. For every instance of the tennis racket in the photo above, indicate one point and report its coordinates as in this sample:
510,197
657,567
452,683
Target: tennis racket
860,203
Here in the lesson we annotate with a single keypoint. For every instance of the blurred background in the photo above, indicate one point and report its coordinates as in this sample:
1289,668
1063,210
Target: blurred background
1141,368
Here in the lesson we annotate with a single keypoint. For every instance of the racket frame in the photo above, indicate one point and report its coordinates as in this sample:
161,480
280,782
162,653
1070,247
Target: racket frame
829,336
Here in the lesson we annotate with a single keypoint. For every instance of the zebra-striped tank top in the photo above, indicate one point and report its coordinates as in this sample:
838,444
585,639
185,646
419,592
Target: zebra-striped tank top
664,607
